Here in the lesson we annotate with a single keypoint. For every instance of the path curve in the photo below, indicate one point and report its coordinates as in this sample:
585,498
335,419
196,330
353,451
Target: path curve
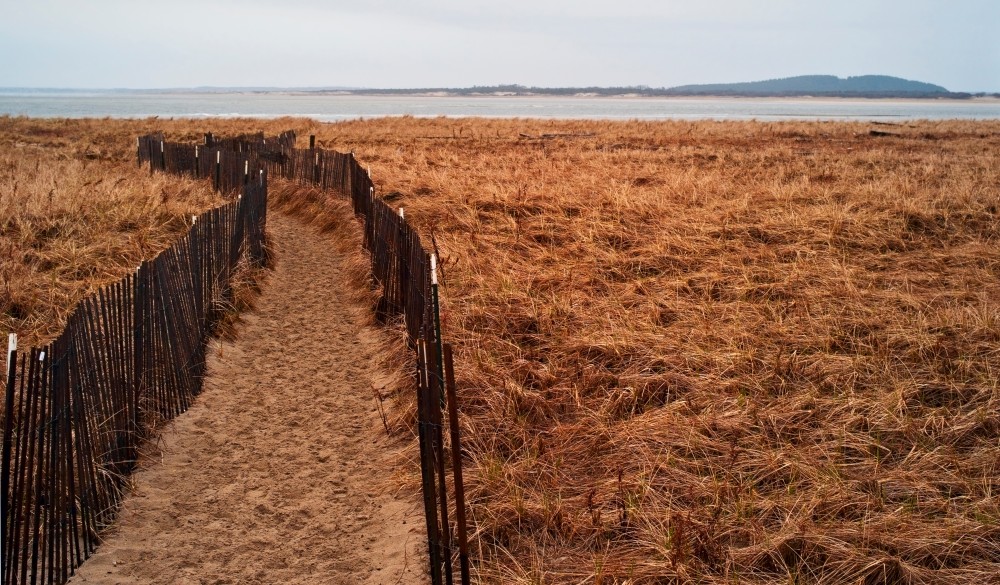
280,472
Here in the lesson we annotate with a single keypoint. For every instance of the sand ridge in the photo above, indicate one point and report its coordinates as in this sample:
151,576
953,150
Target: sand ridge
279,473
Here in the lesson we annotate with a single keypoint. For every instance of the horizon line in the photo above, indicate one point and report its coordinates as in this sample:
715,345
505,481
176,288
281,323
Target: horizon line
495,87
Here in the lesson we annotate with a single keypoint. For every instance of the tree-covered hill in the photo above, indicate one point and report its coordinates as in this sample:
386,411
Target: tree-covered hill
815,85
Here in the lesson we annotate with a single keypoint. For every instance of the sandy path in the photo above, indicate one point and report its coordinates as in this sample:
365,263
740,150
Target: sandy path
279,473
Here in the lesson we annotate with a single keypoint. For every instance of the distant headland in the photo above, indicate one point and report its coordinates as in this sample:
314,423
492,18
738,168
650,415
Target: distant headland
862,86
821,86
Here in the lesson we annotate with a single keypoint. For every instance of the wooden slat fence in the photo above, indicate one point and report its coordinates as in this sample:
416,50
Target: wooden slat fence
77,409
403,272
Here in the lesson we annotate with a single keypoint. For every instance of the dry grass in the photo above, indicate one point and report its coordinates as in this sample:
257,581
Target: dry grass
76,213
717,352
706,352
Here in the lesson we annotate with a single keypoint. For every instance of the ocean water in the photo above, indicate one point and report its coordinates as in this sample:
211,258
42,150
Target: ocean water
344,107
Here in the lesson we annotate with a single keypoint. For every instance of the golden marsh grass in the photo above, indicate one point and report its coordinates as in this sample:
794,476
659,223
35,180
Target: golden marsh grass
705,352
717,352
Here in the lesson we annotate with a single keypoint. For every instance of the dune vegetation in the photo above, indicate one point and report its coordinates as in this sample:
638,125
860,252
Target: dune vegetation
77,213
717,352
704,352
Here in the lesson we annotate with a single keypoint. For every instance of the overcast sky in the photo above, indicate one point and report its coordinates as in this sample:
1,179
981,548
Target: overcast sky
455,43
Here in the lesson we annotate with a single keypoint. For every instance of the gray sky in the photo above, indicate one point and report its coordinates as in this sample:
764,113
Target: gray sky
432,43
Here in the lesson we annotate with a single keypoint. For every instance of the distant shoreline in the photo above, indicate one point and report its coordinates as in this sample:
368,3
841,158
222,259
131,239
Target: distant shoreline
338,106
864,87
590,95
700,97
950,97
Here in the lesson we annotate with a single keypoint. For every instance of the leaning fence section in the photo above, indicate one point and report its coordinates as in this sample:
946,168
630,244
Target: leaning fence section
77,409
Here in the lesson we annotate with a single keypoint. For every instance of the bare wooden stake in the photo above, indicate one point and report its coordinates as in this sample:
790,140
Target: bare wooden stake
11,350
456,465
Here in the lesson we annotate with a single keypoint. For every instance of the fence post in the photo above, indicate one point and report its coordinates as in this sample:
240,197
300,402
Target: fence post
218,170
437,326
44,404
163,158
403,285
197,163
425,401
139,336
8,432
322,172
436,406
370,220
456,464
